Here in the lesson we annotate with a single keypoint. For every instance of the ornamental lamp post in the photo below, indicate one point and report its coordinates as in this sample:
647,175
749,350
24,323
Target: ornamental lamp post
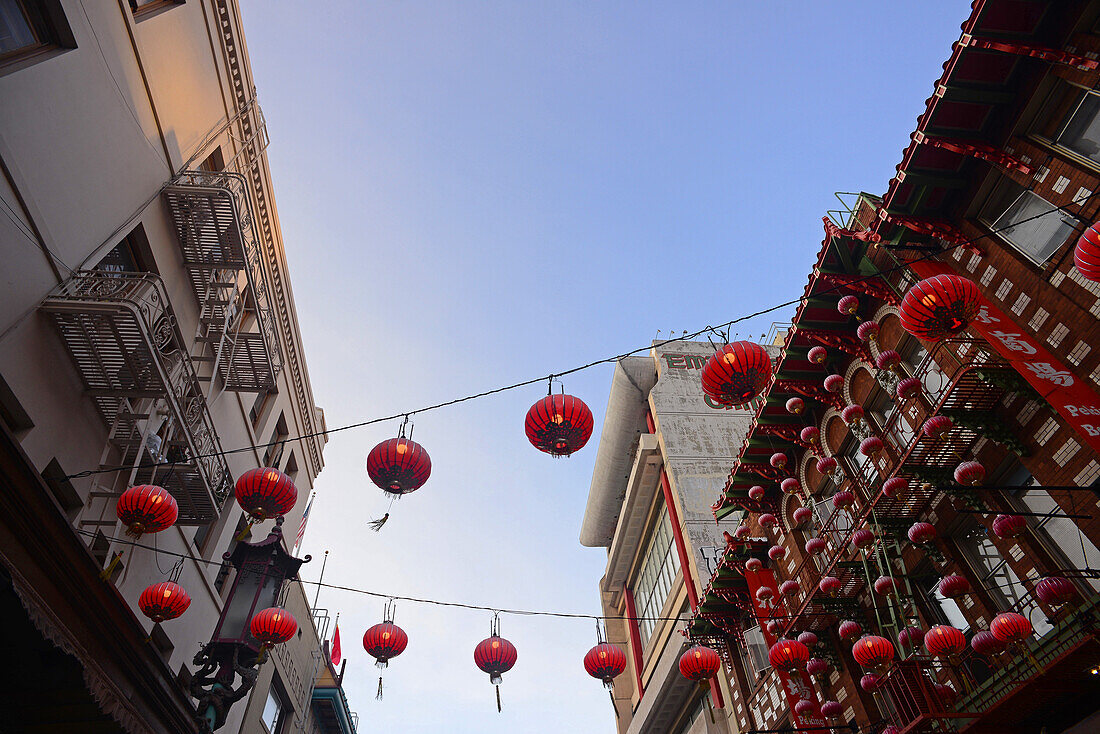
262,570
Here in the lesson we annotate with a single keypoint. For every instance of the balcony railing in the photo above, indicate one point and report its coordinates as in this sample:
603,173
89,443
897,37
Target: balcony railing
122,335
213,217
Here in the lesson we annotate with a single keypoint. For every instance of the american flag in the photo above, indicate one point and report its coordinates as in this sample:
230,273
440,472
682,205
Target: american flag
302,527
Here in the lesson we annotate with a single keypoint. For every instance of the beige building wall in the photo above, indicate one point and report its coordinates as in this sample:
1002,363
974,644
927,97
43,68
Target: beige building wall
90,134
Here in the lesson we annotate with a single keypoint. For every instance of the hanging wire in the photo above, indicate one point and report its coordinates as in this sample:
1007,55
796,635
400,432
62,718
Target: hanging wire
904,265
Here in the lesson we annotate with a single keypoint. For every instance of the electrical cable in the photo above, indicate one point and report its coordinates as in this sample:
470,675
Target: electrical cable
606,360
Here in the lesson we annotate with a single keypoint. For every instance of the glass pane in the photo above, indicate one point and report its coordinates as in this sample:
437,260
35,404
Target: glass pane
272,708
1060,534
1027,225
15,29
1082,132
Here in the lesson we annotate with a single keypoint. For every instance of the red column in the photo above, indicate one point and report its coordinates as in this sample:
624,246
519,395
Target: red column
685,569
635,637
649,424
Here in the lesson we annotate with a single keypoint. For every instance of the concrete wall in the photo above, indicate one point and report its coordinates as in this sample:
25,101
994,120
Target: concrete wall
88,136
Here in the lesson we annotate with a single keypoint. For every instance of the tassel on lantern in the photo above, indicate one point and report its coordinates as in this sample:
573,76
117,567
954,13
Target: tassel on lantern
498,699
106,573
378,696
611,695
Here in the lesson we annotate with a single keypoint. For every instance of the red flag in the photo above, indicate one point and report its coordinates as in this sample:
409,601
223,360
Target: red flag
336,656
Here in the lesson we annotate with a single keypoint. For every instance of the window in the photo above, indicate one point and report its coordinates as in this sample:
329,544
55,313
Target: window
273,454
1028,221
659,567
291,467
30,27
1081,132
999,580
131,255
141,7
887,412
862,463
840,528
260,406
757,649
945,610
213,162
275,713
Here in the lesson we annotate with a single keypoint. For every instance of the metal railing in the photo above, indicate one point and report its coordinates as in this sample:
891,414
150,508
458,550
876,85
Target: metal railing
123,337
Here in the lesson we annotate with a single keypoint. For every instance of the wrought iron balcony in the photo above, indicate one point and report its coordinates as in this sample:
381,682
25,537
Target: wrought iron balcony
216,229
124,340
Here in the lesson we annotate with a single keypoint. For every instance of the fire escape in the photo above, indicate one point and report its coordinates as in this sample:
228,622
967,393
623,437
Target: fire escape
125,342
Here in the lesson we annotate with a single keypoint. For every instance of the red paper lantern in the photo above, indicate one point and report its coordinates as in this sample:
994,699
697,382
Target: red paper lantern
945,693
817,355
559,425
737,373
848,305
273,626
265,493
810,434
843,498
790,485
895,486
870,682
788,655
887,359
605,662
778,460
829,585
773,627
954,585
1010,627
767,520
777,552
809,639
795,406
399,466
803,707
872,651
146,508
742,531
754,564
921,533
789,588
940,306
802,515
852,414
699,663
984,643
1009,526
384,641
765,593
870,446
756,493
832,710
1055,591
815,546
163,601
849,630
943,640
936,426
826,465
863,538
1086,256
885,586
817,666
909,388
867,331
834,383
970,472
911,637
496,656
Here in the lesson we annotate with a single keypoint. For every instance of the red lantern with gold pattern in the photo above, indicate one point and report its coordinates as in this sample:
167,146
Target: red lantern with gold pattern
970,472
1010,627
163,601
496,656
559,425
817,355
605,662
778,460
1055,590
872,651
788,655
399,466
265,493
887,359
834,383
737,373
848,629
909,388
700,663
847,305
867,331
943,640
922,533
870,446
795,406
940,306
852,414
384,641
954,585
984,643
895,486
1009,526
273,626
936,426
826,465
146,508
1086,256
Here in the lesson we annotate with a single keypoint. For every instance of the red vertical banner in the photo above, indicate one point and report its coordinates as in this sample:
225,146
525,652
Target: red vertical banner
797,686
1077,403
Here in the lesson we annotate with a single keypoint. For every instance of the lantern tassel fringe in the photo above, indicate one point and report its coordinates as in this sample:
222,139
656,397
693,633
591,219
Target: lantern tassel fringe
106,573
498,699
378,696
614,708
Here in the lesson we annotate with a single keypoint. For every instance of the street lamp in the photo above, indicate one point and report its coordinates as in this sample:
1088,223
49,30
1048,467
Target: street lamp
262,569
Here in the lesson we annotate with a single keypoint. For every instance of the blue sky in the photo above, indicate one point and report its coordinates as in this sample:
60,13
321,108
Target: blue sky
473,194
